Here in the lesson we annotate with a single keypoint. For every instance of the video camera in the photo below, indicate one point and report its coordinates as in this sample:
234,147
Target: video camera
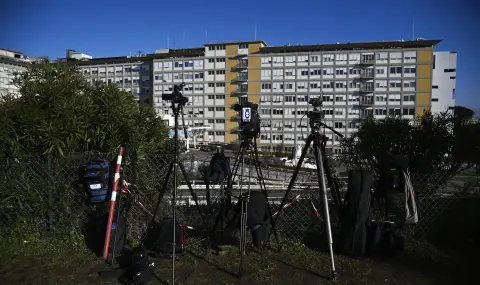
249,119
315,115
176,96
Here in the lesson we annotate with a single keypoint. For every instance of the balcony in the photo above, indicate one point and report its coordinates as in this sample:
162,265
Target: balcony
367,61
240,91
240,66
366,88
240,78
367,74
366,103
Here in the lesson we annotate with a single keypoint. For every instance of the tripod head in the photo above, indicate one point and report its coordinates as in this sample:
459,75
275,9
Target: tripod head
176,96
316,116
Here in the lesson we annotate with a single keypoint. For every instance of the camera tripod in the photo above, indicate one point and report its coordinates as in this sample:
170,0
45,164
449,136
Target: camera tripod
322,170
177,107
248,148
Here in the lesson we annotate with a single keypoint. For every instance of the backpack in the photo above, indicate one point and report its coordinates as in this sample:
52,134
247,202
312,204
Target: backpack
139,271
159,240
97,180
356,209
119,228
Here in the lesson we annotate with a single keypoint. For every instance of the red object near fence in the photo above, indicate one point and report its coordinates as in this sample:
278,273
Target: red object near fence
112,203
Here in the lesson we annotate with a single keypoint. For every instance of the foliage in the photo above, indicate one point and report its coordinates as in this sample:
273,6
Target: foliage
434,143
60,112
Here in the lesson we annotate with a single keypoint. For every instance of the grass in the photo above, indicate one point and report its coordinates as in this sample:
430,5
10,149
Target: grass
420,263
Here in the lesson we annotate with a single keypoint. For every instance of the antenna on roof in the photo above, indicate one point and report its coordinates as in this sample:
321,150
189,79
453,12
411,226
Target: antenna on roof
413,30
168,40
255,30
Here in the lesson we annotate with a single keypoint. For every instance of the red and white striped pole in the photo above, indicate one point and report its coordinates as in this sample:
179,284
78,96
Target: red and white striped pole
112,203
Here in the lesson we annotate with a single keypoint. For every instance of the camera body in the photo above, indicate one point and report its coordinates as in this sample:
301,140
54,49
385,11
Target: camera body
249,119
315,115
176,96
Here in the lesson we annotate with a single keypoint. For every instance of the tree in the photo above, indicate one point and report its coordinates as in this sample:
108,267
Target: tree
60,112
434,143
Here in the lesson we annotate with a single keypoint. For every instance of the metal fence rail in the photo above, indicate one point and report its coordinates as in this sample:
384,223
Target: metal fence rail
46,193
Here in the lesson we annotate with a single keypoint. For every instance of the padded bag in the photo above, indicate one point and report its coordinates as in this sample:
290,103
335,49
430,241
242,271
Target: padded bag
97,180
159,239
139,272
353,235
119,229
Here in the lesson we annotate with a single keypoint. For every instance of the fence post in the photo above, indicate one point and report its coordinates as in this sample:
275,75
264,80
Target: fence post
50,195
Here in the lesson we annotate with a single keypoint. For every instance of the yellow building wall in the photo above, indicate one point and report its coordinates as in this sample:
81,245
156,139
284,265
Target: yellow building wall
231,50
424,70
424,85
425,56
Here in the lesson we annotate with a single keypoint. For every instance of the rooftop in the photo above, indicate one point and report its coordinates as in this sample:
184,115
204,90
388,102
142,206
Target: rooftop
236,43
10,50
351,46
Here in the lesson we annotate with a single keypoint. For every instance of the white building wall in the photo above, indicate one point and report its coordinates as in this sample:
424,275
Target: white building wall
7,71
444,80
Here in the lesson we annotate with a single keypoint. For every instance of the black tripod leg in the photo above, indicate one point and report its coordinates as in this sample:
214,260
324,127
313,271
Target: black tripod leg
193,194
207,190
337,199
264,190
162,192
294,177
323,194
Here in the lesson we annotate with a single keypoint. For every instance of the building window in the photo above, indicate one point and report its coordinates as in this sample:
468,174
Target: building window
289,59
317,71
211,109
211,72
302,58
396,70
220,121
453,77
408,111
328,71
220,84
380,83
341,58
408,98
339,125
435,87
266,86
278,59
266,60
220,96
449,70
410,70
314,58
220,133
266,73
219,72
409,84
220,59
211,97
380,112
340,84
211,60
220,109
434,99
340,71
199,75
243,46
328,58
395,84
211,84
290,72
380,70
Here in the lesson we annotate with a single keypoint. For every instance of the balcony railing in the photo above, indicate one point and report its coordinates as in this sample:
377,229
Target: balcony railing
367,74
240,65
240,79
366,88
367,61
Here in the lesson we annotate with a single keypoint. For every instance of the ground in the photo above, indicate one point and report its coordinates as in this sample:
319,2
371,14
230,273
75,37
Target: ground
420,263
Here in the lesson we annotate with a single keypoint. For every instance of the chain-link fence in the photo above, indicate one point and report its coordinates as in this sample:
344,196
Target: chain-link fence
41,193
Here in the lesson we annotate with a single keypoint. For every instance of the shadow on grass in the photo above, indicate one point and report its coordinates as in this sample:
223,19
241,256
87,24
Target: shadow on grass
212,264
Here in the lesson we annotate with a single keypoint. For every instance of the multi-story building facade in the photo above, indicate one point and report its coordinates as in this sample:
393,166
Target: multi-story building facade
10,63
444,80
355,80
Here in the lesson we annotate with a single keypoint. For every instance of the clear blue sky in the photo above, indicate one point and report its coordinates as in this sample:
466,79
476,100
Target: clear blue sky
114,28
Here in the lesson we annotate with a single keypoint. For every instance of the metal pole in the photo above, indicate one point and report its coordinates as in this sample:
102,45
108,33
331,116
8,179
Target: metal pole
323,191
112,204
